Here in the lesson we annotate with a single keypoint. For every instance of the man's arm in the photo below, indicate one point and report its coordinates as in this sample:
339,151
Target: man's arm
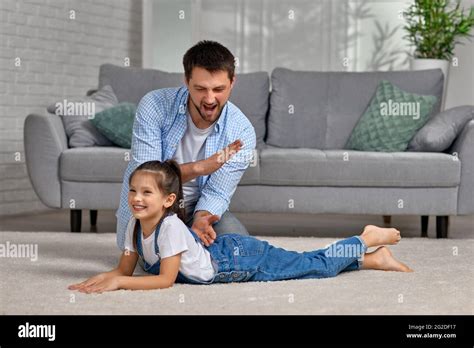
221,185
189,171
192,170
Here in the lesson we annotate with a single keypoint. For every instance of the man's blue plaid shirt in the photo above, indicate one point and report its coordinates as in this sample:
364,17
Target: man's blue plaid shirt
159,125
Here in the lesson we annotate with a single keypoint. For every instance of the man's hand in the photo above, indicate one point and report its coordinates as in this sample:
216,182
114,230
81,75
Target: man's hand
192,170
202,226
213,163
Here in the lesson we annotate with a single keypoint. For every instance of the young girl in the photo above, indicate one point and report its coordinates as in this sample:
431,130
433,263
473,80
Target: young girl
171,252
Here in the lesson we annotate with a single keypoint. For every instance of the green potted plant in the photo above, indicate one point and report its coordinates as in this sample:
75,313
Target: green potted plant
434,28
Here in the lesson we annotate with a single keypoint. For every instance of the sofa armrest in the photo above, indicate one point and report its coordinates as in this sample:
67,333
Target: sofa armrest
44,140
463,146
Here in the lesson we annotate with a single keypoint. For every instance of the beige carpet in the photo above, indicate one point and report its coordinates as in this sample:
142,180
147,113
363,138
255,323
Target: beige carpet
442,283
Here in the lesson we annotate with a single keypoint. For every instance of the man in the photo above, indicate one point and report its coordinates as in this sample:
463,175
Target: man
207,135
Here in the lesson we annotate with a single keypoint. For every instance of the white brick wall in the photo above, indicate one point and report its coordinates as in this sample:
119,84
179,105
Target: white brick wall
60,58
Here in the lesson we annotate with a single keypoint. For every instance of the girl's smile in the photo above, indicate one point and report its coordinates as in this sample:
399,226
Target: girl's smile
146,201
138,207
144,197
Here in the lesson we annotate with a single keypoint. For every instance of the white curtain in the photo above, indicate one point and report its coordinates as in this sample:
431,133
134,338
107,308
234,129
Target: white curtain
323,35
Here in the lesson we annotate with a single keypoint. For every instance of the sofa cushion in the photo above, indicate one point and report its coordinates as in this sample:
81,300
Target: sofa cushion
313,167
391,120
116,123
94,164
298,108
319,110
108,164
80,132
250,93
252,173
440,131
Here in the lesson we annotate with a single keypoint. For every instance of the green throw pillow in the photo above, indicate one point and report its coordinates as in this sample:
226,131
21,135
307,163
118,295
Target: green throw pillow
391,120
116,123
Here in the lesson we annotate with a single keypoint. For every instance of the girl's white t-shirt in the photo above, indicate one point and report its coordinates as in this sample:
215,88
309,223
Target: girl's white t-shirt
174,238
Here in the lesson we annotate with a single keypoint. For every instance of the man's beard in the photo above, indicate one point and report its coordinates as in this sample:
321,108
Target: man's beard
203,116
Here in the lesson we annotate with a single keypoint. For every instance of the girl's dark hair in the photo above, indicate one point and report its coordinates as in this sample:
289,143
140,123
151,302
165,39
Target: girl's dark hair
168,180
211,56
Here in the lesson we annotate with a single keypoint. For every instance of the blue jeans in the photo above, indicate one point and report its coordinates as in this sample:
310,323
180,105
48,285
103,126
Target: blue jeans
244,258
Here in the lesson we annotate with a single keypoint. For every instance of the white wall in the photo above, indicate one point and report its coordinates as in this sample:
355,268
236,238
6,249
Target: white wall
264,34
60,58
169,32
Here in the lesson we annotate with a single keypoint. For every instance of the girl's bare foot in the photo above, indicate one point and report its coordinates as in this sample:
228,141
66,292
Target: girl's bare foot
374,236
382,259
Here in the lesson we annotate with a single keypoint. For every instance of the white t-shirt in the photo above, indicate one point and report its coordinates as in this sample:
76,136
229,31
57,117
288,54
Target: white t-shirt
174,238
192,148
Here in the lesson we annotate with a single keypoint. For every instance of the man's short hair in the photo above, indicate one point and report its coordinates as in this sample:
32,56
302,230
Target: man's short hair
211,56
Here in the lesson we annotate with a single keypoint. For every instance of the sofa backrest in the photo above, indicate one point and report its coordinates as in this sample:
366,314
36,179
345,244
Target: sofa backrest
320,109
131,84
250,93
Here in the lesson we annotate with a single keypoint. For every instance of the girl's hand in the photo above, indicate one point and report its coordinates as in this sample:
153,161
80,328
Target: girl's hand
107,284
89,283
99,283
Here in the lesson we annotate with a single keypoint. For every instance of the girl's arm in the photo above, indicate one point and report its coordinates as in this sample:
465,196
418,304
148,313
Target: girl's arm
169,268
126,266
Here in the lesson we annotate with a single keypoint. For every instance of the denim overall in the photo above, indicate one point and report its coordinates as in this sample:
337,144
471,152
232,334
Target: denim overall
238,258
155,268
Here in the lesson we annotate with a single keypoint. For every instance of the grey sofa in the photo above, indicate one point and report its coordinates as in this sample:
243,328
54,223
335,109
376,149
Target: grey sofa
301,164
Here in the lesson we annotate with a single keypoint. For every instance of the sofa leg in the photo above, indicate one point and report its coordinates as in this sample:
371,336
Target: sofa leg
442,226
387,220
424,225
76,219
93,217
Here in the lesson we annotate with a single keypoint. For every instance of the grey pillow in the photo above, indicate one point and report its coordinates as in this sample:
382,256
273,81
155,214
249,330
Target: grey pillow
441,130
75,114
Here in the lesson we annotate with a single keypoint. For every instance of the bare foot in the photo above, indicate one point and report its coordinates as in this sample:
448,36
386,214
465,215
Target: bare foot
382,259
374,236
